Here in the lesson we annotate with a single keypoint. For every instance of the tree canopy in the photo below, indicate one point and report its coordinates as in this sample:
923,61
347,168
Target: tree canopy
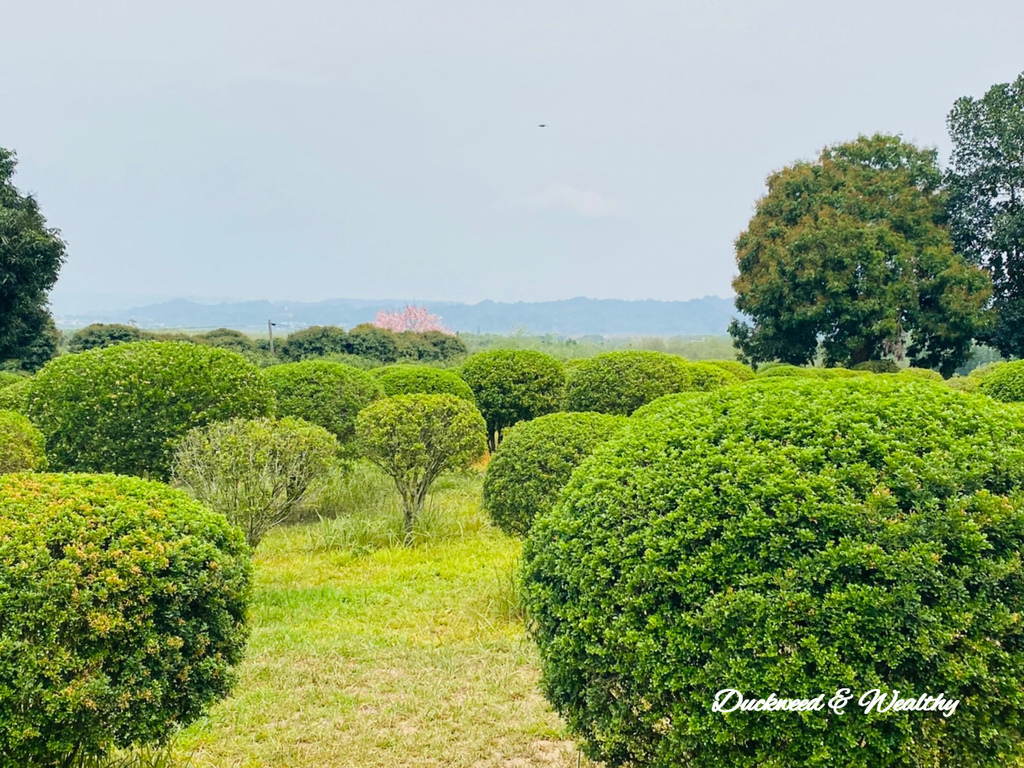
851,251
986,200
31,255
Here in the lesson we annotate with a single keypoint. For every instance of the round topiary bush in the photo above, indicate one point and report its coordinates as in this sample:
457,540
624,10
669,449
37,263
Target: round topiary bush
513,385
921,373
22,446
7,379
99,335
327,394
666,404
791,538
705,376
421,380
620,382
535,460
121,408
1004,382
15,396
122,613
740,371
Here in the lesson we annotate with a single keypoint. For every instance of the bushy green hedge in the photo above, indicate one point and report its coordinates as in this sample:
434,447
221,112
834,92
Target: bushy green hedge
535,461
787,370
120,408
1004,382
328,394
705,376
15,396
315,341
22,446
122,613
513,385
921,373
421,379
8,379
666,404
790,537
877,366
740,371
99,335
620,382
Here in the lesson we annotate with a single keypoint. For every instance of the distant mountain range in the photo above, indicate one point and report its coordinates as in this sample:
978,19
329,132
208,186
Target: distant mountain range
569,317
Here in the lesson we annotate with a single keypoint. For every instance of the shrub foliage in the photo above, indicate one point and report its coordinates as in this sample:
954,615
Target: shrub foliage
535,461
1003,382
254,471
795,537
422,380
327,394
22,446
416,438
120,408
122,612
513,385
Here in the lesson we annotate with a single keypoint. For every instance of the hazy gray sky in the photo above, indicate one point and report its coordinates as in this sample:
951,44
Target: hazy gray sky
383,149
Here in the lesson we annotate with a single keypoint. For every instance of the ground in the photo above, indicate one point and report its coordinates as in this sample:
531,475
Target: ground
365,655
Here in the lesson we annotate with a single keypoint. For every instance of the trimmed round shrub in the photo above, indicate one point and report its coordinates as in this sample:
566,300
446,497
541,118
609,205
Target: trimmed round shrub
22,446
704,376
327,394
99,335
1004,382
535,461
666,404
369,341
921,373
315,341
15,396
417,438
7,379
422,380
740,371
121,408
254,471
513,385
228,338
122,613
792,538
620,382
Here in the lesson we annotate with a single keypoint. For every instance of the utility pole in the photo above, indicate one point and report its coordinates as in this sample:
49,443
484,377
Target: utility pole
270,330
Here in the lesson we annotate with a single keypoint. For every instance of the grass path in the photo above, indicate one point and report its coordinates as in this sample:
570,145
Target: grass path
399,657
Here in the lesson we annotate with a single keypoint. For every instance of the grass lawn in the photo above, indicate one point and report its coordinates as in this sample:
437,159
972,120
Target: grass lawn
365,653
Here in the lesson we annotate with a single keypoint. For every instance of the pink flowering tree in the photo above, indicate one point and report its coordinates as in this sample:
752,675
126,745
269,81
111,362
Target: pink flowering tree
410,319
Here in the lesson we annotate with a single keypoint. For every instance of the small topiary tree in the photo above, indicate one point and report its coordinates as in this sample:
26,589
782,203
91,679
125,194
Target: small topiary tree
315,341
121,408
15,396
513,385
736,368
421,380
620,382
122,613
22,446
1004,382
535,460
790,537
416,438
254,471
327,394
99,335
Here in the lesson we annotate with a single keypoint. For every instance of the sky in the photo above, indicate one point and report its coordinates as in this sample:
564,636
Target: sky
316,149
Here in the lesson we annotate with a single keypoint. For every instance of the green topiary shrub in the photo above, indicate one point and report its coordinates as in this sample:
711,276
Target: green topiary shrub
421,379
324,393
15,396
122,613
877,366
921,373
1004,382
7,379
513,385
784,369
99,335
417,438
430,346
704,376
666,404
227,338
620,382
791,538
369,341
315,341
120,408
736,368
22,446
535,460
254,471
